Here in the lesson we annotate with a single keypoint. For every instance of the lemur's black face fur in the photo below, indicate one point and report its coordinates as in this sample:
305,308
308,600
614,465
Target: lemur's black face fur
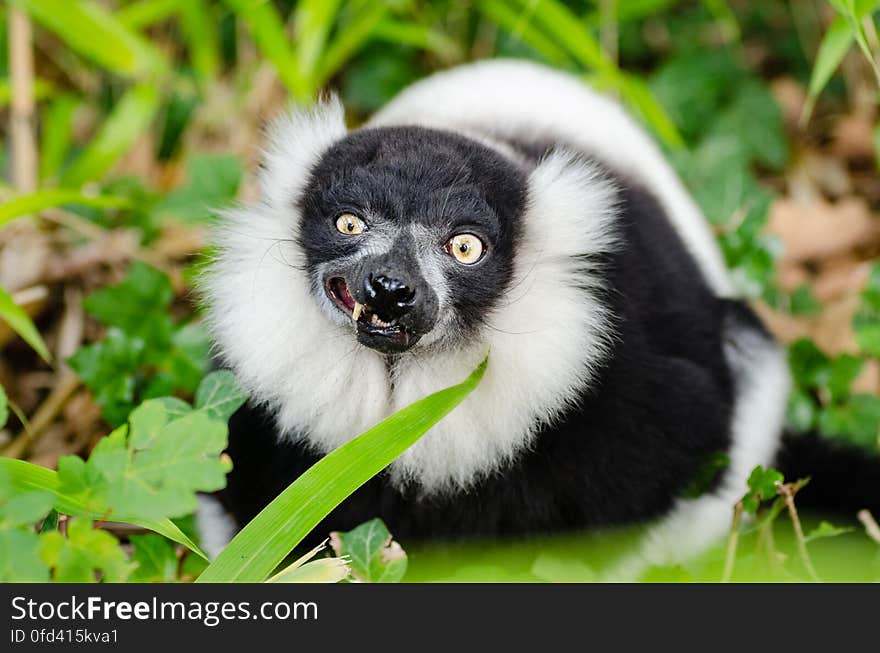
409,231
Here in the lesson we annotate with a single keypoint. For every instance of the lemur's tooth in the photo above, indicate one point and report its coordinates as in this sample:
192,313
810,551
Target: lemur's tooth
358,309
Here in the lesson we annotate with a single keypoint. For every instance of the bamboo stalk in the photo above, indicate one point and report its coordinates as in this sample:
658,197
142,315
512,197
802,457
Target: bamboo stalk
21,115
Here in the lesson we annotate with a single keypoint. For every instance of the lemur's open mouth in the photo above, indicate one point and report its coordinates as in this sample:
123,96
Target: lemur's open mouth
367,322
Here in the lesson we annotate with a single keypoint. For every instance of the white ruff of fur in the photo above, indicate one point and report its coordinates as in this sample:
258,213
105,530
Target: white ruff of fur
524,100
545,339
547,336
263,316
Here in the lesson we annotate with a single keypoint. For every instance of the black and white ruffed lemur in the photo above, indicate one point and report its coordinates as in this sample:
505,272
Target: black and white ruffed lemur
507,209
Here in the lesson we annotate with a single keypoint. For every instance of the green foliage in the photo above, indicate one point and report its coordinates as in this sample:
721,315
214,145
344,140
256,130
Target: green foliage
83,554
867,320
108,67
822,398
142,473
130,117
94,33
219,395
46,199
21,323
156,559
270,536
707,475
152,469
374,556
762,487
826,529
555,32
746,133
19,560
146,353
22,477
4,407
213,182
850,26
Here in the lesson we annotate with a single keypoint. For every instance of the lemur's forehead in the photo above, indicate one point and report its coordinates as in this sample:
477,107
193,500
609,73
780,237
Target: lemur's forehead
410,175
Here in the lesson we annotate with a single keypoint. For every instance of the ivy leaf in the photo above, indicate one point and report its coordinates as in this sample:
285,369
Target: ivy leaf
707,474
375,557
155,557
825,529
844,370
762,487
85,552
213,180
137,305
809,366
22,508
802,411
19,561
756,120
803,302
691,85
108,368
153,468
857,420
188,357
219,395
145,354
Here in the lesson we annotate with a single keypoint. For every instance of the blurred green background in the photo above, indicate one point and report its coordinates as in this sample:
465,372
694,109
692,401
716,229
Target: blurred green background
125,123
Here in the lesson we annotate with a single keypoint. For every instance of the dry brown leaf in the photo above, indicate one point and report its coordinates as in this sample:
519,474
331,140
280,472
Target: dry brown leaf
839,277
822,230
853,137
791,97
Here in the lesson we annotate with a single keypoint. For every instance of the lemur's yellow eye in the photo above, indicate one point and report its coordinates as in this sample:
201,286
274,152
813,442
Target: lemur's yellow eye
350,224
466,248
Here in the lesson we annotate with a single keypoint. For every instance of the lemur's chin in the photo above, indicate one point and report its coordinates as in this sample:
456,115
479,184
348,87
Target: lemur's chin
385,336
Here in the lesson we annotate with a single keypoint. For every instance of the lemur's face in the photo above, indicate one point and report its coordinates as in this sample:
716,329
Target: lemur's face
409,234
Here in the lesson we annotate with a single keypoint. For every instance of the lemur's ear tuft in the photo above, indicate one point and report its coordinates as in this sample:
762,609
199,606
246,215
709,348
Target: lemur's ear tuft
295,143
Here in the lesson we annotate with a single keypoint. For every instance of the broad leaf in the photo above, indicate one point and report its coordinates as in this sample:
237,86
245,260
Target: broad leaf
219,395
375,557
27,477
155,558
85,553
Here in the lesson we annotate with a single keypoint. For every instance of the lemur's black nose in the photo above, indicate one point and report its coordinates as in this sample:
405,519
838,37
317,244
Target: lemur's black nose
389,296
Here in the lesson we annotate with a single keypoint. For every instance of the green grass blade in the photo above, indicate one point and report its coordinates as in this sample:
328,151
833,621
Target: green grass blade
834,46
267,30
724,16
47,199
640,99
198,26
146,13
15,316
271,535
95,34
560,28
567,29
56,134
500,13
130,117
349,40
313,20
422,37
27,476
